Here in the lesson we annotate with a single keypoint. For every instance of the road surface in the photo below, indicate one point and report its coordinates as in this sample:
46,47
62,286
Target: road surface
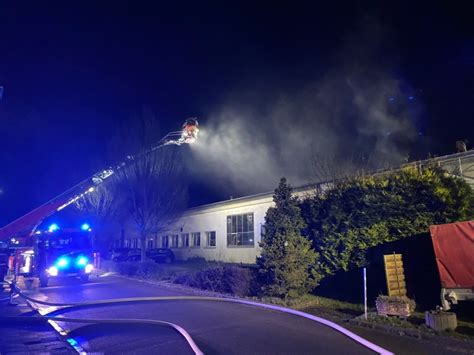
216,327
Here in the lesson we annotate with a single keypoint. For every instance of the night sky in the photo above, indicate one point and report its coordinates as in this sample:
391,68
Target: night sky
73,72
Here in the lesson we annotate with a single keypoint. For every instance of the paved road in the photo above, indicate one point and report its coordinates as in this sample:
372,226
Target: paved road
217,327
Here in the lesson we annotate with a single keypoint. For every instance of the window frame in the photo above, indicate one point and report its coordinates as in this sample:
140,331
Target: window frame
193,237
240,227
150,243
184,240
208,239
174,241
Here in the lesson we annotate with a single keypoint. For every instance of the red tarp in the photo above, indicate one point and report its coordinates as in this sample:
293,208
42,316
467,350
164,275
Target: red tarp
454,249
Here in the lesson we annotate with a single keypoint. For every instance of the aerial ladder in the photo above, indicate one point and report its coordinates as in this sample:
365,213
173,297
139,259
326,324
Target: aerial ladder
27,224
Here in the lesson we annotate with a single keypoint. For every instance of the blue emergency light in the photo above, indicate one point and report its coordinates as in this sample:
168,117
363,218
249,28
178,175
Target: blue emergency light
82,261
62,262
53,227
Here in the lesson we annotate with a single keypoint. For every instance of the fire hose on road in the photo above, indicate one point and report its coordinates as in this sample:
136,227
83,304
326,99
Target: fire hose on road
65,307
51,319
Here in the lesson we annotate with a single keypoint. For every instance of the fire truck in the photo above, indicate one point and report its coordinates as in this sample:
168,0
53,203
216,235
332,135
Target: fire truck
57,252
60,253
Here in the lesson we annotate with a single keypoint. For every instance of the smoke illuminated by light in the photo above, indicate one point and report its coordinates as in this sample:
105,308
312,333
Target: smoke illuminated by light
354,110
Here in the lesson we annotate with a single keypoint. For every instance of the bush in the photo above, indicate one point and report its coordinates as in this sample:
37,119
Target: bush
240,281
197,260
108,265
127,268
356,214
223,279
149,270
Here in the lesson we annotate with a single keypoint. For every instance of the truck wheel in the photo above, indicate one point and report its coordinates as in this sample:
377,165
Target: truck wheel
44,281
85,278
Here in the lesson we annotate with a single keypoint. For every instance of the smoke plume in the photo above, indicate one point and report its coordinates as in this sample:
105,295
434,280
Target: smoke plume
358,109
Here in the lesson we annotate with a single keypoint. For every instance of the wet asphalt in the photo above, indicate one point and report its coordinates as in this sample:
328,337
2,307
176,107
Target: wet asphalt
216,327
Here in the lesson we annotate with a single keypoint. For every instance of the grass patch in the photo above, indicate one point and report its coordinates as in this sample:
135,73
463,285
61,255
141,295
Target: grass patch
415,324
334,310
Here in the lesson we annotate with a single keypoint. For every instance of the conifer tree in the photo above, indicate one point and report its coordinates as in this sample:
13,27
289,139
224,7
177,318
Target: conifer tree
286,264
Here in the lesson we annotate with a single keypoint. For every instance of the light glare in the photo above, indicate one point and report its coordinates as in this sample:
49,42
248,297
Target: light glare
53,271
62,262
82,260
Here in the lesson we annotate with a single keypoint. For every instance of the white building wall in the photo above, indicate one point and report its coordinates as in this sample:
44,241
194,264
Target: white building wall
214,218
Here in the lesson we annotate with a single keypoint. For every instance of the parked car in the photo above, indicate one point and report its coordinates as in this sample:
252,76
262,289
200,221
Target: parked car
120,254
161,255
134,255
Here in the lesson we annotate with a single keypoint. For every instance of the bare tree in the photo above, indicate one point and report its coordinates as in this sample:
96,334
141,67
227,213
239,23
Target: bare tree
103,207
153,183
154,191
149,187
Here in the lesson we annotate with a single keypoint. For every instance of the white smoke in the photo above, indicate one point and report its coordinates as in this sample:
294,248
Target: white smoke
356,109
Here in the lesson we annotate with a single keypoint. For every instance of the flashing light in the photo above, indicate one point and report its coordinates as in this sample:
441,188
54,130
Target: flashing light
53,227
91,189
62,262
73,342
38,232
53,271
89,268
82,261
85,227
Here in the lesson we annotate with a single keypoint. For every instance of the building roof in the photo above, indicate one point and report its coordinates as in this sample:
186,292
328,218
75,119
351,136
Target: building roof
465,160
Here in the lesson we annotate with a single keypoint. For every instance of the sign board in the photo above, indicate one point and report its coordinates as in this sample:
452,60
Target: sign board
395,275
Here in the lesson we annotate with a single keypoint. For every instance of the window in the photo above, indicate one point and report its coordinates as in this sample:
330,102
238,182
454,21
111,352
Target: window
196,239
185,240
150,244
174,241
211,239
164,241
240,230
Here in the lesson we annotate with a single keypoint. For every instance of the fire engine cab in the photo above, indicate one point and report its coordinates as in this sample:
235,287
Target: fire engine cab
64,253
57,253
